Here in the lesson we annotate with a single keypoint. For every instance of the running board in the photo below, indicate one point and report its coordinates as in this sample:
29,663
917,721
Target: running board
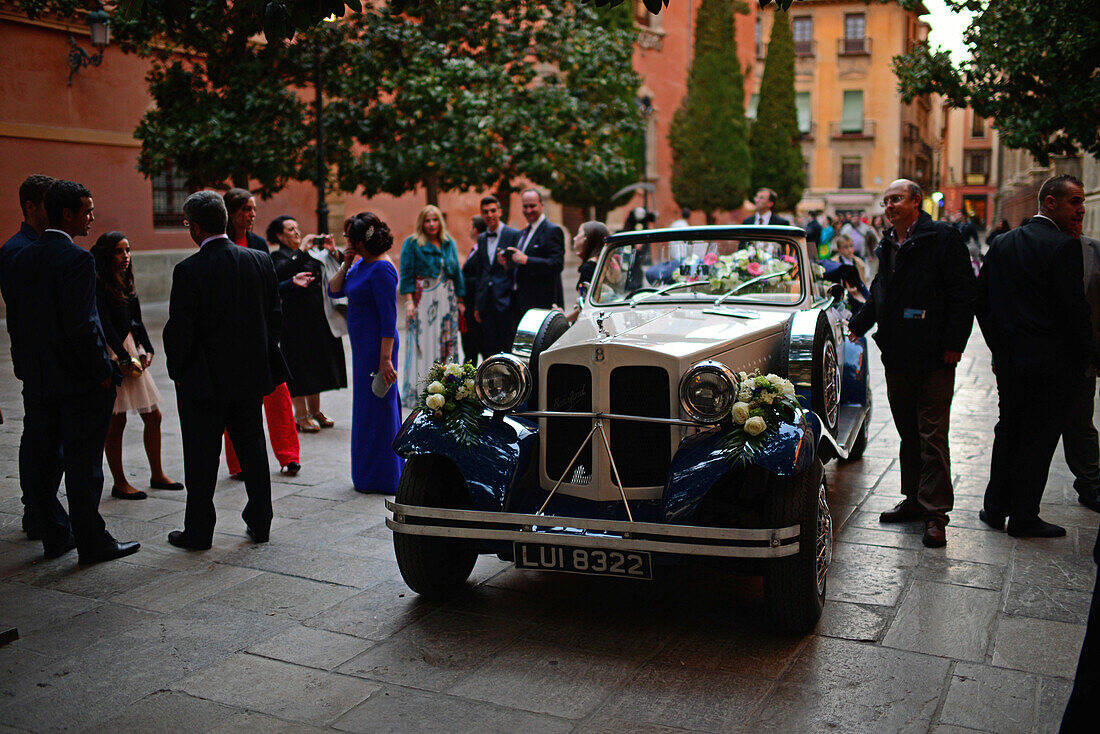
849,422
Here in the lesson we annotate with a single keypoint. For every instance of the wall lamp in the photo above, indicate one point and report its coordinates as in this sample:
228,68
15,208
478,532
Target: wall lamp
100,24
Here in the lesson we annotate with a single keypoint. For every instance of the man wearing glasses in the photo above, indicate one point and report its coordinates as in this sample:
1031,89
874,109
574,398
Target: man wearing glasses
923,302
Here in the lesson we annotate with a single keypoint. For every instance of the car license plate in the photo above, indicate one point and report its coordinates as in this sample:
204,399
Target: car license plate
592,561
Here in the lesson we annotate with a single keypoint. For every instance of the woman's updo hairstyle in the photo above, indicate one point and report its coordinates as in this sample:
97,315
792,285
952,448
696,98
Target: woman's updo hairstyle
595,233
369,232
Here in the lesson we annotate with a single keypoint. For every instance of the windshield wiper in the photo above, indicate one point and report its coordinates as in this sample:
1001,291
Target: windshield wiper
671,287
741,286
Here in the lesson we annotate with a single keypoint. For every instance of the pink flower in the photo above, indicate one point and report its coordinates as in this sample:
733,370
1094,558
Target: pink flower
710,258
789,259
755,269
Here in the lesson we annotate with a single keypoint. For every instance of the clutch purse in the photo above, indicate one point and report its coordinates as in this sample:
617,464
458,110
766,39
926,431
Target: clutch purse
378,385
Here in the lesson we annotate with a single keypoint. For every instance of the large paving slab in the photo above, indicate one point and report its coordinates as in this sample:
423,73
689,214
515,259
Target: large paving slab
315,631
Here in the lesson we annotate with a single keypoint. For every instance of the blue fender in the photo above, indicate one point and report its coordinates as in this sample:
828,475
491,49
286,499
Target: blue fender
491,467
701,460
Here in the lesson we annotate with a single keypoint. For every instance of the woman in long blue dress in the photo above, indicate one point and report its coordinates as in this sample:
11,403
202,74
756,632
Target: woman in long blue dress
370,285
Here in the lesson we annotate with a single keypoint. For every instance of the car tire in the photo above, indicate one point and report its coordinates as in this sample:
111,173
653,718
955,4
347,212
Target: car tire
553,326
435,568
825,377
794,586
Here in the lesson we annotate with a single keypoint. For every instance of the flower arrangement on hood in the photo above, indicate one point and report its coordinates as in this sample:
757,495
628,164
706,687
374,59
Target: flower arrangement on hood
763,402
448,396
726,272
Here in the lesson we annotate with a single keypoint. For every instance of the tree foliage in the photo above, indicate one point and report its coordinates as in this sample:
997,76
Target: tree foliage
1034,69
774,138
708,135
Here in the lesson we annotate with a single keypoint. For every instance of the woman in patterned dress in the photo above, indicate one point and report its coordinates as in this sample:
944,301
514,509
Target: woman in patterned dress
431,285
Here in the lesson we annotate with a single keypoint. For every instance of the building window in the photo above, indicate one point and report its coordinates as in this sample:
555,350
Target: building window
851,120
977,126
170,190
976,166
642,16
802,106
758,38
851,173
855,34
803,29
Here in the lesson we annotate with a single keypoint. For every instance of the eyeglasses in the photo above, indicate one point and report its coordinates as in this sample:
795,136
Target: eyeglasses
895,199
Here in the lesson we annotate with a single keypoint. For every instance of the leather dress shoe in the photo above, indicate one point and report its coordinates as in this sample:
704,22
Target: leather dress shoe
935,533
109,552
1036,528
138,495
997,522
904,511
1090,500
180,540
257,536
56,550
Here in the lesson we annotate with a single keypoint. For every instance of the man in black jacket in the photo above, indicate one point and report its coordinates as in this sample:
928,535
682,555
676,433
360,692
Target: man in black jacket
221,345
539,258
493,272
923,302
60,354
1032,310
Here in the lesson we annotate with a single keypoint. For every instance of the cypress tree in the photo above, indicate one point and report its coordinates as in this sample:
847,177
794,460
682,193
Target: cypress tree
708,136
774,137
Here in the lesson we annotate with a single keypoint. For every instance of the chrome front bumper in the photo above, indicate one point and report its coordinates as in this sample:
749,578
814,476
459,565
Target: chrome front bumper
591,533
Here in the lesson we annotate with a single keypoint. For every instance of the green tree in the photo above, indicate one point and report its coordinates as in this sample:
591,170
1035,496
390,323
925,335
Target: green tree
774,137
1034,69
710,151
595,137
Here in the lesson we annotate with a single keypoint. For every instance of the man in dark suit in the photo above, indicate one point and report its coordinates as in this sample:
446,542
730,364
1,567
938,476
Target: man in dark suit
538,258
764,201
493,304
32,194
60,354
1079,439
1032,311
221,347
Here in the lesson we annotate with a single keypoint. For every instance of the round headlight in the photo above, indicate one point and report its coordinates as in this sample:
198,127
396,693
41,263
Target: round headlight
707,391
502,382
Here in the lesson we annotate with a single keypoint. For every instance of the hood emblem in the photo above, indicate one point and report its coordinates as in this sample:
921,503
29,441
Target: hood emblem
600,318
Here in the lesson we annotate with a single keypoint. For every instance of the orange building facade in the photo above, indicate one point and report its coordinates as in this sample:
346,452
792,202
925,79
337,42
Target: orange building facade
84,132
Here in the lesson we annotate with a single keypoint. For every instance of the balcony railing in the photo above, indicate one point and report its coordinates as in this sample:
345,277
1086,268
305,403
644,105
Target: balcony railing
808,134
842,131
853,46
805,48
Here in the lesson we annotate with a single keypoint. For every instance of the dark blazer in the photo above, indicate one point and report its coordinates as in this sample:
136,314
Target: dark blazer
120,318
495,281
222,336
922,297
1031,300
776,220
538,283
57,343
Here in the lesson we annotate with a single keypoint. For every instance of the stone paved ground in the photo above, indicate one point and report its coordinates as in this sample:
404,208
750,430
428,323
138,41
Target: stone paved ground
315,631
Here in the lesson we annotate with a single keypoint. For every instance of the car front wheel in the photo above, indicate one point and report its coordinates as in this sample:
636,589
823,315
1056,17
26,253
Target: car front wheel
794,586
433,567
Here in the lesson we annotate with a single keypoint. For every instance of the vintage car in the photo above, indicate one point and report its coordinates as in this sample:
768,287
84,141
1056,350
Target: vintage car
604,446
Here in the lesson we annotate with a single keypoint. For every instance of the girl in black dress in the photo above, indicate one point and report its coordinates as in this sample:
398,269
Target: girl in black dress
587,243
120,314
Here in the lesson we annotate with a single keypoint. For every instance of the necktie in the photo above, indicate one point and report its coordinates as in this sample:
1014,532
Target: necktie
526,237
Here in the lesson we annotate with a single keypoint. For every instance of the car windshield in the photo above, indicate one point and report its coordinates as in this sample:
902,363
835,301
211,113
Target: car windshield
741,270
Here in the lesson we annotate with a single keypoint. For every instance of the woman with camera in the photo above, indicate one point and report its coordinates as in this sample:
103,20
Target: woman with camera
313,353
120,314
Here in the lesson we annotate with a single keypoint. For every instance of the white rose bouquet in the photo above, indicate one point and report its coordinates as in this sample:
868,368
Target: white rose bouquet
448,396
763,402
